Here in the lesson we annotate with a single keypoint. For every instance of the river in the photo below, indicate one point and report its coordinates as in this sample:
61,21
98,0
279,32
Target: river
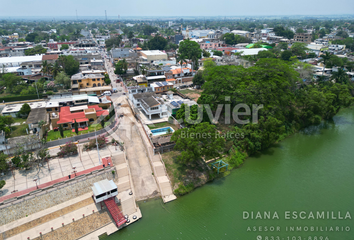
310,171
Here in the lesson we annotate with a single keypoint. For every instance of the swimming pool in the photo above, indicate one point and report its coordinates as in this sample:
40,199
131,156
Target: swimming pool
161,131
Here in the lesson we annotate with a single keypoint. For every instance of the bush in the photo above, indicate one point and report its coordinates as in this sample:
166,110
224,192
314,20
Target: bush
236,158
50,93
21,97
68,148
183,189
102,142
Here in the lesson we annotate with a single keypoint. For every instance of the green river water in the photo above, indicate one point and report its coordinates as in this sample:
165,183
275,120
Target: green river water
309,171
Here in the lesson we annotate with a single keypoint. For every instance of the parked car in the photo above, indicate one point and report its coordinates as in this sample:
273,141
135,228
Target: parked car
107,93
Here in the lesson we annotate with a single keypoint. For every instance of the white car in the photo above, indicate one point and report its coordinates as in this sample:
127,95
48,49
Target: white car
107,93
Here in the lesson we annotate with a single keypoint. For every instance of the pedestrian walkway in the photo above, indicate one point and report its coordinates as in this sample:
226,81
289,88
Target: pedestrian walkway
19,182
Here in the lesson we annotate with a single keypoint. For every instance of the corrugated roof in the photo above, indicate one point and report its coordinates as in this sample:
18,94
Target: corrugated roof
103,187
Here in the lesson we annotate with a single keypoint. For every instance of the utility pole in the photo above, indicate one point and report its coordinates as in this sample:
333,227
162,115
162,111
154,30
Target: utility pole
98,150
105,12
76,16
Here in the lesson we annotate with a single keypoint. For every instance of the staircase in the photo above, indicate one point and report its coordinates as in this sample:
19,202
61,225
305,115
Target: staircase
116,214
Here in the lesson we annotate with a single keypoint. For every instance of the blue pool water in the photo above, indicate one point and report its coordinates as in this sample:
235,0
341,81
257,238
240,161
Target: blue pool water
161,131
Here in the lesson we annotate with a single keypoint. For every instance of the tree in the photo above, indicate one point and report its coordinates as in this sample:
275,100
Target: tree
283,45
206,54
281,31
340,76
217,53
266,54
64,46
130,35
299,49
181,59
76,126
198,79
24,111
36,50
10,81
56,69
300,30
113,42
69,64
3,162
199,141
286,55
63,80
106,79
342,34
45,67
61,130
31,37
2,184
121,67
233,39
157,43
5,124
305,70
147,30
189,50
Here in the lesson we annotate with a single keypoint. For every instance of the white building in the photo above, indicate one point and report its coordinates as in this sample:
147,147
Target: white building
153,55
104,190
28,61
152,104
13,109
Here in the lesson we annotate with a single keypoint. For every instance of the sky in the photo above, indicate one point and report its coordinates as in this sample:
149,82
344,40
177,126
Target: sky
44,8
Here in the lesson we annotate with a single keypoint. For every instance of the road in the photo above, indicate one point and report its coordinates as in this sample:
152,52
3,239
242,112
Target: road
142,175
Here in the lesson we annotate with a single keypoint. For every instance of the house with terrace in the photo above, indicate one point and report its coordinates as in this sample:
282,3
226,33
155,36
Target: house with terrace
88,83
159,105
84,115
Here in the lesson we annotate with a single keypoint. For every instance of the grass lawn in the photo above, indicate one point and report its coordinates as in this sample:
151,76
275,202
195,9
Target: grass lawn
19,120
19,130
54,135
161,125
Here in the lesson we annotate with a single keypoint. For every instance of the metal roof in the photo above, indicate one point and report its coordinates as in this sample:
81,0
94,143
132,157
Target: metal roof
103,187
93,99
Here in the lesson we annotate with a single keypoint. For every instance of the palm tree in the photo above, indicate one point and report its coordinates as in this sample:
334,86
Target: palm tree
125,65
180,59
44,67
340,76
56,69
325,58
143,70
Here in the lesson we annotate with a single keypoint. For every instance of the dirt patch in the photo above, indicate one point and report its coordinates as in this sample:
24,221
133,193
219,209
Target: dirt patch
46,218
192,94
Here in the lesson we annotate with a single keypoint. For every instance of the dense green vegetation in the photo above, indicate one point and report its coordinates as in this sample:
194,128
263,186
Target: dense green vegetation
189,50
233,39
36,50
68,64
121,67
287,105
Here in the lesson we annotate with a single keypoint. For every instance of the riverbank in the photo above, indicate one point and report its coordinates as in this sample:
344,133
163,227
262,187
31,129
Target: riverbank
186,178
309,171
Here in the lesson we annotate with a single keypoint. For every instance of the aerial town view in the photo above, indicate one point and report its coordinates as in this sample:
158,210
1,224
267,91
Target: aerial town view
147,120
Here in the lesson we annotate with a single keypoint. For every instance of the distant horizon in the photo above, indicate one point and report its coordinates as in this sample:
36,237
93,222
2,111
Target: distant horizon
137,17
182,8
